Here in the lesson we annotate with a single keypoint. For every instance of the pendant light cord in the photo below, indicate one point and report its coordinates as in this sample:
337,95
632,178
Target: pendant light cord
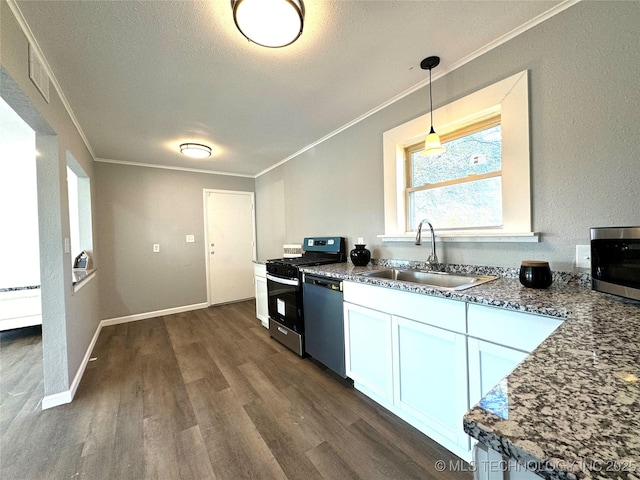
430,100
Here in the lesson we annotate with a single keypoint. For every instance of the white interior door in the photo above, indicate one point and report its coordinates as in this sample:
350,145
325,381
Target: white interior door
230,245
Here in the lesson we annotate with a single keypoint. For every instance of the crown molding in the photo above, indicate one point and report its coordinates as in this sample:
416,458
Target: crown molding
561,7
172,167
490,46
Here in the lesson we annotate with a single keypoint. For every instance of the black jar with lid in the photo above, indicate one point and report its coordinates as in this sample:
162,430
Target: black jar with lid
535,274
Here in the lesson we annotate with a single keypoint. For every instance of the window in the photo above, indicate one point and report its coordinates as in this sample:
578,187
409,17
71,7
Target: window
460,209
79,196
461,188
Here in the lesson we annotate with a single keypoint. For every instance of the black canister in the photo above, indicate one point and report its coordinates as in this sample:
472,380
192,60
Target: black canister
535,274
360,256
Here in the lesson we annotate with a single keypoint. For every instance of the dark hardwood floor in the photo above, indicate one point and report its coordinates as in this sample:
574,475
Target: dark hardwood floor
200,395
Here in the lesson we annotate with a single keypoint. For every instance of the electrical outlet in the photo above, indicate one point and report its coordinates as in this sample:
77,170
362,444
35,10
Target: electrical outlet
191,238
156,247
583,256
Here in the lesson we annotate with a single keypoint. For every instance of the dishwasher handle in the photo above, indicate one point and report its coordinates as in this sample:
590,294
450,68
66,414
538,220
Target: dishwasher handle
323,282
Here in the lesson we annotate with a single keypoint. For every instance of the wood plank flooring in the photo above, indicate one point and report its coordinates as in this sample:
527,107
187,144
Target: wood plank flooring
200,395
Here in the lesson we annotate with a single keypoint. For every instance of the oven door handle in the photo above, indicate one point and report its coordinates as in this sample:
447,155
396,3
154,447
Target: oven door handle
286,281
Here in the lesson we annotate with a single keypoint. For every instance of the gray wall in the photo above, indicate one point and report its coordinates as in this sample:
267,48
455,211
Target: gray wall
69,319
584,66
137,207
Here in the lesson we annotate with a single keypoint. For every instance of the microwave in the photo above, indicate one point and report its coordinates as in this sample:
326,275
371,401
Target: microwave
615,261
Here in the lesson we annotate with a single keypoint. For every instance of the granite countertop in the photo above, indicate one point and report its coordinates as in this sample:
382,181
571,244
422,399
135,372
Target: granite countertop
17,289
571,410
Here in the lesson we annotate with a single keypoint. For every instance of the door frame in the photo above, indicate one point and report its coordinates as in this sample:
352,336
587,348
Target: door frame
205,211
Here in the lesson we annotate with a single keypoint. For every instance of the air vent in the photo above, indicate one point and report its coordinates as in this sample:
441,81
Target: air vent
38,74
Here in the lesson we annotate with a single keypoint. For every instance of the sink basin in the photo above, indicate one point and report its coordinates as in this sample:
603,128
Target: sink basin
443,280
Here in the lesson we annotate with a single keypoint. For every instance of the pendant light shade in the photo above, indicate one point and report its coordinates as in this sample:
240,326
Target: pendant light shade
270,23
195,150
432,145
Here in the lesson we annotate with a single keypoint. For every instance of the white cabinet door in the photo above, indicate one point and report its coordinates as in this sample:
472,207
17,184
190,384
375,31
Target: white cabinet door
488,364
368,351
430,377
262,299
262,302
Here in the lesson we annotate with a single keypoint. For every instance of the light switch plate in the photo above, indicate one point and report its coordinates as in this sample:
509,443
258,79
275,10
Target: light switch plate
156,247
583,256
191,238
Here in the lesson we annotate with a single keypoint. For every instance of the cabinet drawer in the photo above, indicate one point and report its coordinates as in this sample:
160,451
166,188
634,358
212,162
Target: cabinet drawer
439,312
524,331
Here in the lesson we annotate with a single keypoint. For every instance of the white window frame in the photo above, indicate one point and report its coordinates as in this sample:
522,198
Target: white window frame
473,128
510,99
80,215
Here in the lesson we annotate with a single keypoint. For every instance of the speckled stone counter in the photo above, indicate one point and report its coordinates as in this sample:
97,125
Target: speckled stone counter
17,289
571,410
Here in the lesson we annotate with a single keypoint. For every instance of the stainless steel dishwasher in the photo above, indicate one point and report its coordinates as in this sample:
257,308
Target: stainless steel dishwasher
324,321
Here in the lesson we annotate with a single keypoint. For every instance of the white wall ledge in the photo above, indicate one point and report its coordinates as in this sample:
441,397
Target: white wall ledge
81,278
526,237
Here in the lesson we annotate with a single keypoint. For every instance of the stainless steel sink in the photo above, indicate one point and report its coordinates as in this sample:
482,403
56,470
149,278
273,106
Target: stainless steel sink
443,280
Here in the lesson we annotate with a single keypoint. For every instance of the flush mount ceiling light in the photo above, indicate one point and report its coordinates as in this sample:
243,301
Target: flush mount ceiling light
270,23
195,150
432,145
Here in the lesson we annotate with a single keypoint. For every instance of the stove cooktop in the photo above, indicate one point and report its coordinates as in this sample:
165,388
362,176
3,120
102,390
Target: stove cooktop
317,251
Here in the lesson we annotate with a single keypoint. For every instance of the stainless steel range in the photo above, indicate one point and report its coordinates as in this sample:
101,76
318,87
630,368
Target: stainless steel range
284,288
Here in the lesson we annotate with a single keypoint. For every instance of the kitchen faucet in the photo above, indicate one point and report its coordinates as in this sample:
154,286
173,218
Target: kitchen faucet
432,260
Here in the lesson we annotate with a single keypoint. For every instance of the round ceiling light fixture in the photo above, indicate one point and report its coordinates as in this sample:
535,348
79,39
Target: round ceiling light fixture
195,150
270,23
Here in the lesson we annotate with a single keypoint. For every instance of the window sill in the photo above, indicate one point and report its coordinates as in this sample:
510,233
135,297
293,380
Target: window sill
501,237
81,278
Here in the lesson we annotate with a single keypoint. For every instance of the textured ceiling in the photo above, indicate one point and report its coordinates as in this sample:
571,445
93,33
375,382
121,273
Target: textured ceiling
142,77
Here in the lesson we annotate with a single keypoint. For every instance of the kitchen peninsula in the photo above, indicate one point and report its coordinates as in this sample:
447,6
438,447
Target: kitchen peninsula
571,409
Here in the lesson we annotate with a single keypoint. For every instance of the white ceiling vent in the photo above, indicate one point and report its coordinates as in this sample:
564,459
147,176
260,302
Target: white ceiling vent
37,73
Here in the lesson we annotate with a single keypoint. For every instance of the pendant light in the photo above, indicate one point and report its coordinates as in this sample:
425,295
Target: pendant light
195,150
432,145
270,23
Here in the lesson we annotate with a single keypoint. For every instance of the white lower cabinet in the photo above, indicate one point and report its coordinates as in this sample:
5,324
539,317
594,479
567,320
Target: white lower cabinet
488,364
499,340
411,366
368,351
262,300
429,359
430,379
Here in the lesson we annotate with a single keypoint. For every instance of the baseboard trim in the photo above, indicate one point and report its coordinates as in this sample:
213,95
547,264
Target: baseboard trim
157,313
61,398
67,396
56,399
